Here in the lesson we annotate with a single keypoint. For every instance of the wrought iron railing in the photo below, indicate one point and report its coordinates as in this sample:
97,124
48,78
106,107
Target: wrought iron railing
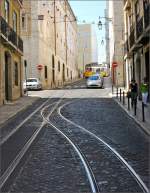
10,34
132,38
139,28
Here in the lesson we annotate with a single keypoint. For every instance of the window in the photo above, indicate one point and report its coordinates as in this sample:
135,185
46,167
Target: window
45,72
23,21
67,72
16,74
14,21
58,66
7,11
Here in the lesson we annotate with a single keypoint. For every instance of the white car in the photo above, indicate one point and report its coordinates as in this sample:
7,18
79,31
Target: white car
94,81
33,84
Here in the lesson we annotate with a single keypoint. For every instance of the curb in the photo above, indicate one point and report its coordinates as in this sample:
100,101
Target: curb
17,112
129,114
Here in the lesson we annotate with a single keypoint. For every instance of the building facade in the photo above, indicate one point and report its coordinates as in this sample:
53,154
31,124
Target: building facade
107,50
11,51
137,40
49,31
87,45
116,37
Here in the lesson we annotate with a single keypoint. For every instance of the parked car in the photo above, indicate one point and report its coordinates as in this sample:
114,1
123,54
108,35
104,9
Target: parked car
33,84
94,81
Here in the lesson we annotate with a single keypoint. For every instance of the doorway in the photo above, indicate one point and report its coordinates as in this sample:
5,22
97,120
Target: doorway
8,87
53,70
63,74
147,71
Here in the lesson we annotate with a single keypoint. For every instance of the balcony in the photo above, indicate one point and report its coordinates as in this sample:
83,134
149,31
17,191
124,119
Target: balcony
139,28
10,34
132,38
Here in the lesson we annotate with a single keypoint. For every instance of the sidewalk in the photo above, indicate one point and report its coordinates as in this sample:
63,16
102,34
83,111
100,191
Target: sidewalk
138,117
12,108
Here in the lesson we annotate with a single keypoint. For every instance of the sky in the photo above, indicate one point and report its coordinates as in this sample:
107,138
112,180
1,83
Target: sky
90,12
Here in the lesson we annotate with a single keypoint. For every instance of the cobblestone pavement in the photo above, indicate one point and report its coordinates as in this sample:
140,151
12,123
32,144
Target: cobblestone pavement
52,165
106,119
12,108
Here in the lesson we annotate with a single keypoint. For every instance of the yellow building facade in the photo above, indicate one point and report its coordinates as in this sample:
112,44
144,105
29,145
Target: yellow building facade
11,51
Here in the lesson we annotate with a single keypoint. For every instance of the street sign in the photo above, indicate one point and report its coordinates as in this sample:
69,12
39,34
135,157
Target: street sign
39,66
114,64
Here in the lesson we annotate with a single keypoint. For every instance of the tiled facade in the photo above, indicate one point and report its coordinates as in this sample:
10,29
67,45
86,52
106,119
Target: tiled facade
49,32
11,51
137,40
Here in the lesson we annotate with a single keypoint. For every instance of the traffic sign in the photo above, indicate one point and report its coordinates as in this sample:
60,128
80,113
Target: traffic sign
39,66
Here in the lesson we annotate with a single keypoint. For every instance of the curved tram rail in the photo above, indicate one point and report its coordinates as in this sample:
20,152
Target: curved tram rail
46,115
135,176
20,140
88,169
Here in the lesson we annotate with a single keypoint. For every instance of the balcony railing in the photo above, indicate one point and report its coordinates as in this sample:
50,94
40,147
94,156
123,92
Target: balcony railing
139,28
10,34
132,38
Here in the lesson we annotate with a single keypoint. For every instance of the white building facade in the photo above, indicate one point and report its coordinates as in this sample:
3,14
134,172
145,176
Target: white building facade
50,40
116,37
87,45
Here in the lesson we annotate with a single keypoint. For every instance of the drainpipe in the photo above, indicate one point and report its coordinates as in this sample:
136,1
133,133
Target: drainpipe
55,25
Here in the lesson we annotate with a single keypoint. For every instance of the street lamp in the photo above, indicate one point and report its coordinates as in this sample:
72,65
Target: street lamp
100,24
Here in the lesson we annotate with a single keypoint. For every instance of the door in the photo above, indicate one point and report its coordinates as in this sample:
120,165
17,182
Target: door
53,70
7,76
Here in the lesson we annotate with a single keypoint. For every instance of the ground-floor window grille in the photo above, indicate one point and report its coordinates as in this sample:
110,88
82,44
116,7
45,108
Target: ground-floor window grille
45,72
16,74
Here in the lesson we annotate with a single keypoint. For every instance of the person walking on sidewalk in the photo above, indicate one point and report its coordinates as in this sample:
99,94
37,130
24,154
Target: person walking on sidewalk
134,92
144,91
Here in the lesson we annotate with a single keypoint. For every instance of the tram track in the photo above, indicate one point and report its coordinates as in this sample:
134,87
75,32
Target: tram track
16,143
90,175
132,172
79,138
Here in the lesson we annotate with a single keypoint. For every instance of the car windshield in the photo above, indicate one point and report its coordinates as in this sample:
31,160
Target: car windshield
31,80
94,78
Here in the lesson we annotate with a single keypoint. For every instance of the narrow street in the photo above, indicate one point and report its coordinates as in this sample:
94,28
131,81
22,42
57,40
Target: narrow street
74,139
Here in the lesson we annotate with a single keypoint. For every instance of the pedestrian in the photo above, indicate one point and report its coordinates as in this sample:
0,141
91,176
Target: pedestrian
144,91
134,92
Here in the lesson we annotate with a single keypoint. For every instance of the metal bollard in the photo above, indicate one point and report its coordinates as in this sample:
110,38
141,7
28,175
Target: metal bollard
129,103
143,113
134,107
117,92
123,98
120,95
112,89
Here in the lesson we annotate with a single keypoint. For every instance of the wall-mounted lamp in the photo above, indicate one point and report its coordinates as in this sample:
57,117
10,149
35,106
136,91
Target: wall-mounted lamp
99,25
